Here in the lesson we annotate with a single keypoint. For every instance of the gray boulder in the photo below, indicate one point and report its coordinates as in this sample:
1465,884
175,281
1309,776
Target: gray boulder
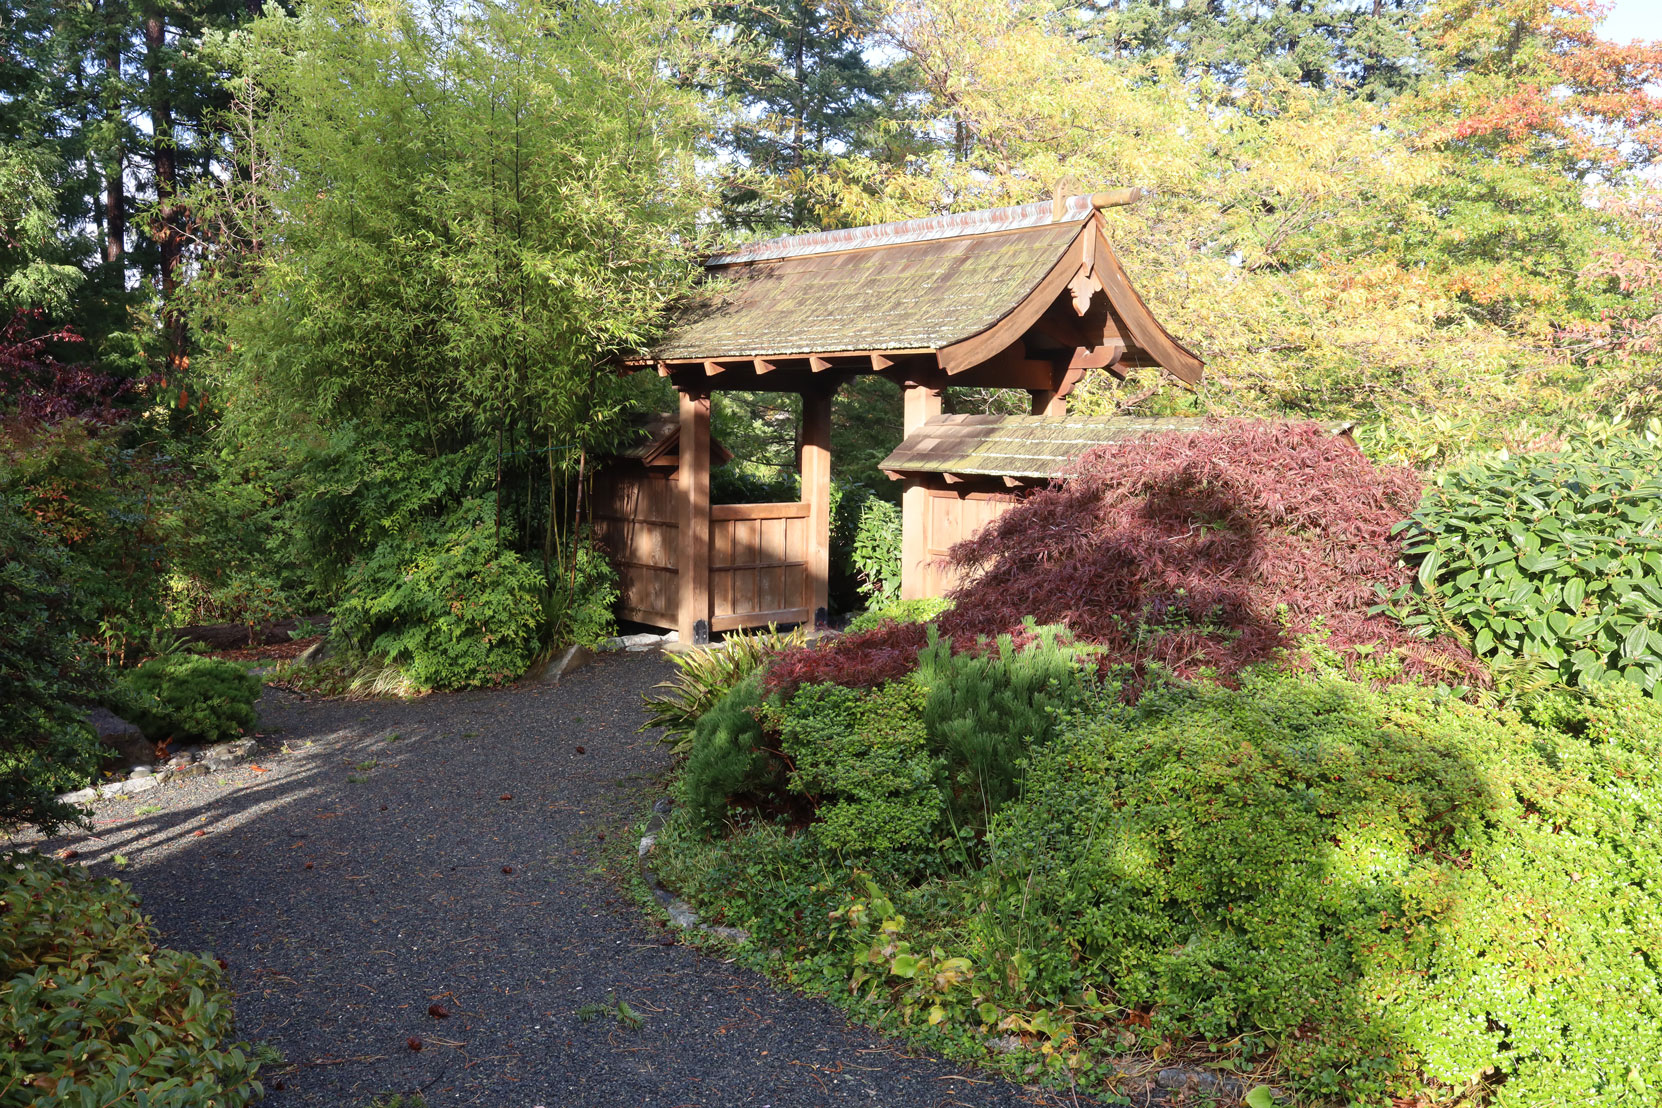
122,737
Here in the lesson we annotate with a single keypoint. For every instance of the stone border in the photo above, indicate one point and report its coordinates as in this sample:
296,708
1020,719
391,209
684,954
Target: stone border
681,914
216,758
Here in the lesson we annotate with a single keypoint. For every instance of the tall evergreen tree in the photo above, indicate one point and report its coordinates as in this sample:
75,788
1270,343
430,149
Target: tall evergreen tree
807,91
1367,45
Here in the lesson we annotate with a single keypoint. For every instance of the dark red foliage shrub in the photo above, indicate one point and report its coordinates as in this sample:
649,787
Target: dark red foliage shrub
1214,550
41,389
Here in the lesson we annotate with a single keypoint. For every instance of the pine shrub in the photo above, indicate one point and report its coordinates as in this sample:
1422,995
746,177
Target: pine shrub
189,698
725,759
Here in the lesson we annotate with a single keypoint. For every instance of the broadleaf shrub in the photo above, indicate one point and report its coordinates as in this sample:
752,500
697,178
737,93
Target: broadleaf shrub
454,611
1361,893
925,609
46,748
94,1012
875,552
582,595
1377,885
1201,552
1555,558
188,698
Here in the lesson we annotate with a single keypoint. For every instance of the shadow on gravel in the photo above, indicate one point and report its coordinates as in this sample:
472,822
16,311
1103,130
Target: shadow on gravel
462,854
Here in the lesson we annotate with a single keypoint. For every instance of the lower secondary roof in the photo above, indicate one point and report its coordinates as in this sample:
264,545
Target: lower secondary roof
1024,446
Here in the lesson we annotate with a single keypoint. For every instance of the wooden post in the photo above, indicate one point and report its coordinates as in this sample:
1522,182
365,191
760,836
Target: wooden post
921,403
1047,402
815,468
693,537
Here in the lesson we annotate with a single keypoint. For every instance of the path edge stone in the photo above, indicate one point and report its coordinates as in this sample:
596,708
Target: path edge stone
220,757
681,914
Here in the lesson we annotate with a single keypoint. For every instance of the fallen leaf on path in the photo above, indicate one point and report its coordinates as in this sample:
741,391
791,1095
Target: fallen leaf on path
438,1011
413,1043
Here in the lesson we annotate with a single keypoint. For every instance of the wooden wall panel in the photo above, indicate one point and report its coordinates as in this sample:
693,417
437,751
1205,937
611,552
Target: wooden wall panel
949,518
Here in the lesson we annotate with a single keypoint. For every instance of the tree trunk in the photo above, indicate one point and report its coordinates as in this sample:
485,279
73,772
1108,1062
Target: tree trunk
166,165
115,183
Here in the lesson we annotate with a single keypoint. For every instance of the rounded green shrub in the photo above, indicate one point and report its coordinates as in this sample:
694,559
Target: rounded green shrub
188,698
94,1012
1383,888
454,611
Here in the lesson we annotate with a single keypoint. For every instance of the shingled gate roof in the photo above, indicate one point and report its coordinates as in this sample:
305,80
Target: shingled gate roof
920,287
1026,446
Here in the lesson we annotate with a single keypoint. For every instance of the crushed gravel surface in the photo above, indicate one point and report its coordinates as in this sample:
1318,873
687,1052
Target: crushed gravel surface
384,857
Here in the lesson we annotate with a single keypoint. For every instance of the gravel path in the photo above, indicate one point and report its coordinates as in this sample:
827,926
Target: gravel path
354,878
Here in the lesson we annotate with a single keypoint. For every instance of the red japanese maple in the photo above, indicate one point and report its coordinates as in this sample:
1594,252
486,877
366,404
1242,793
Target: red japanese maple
1211,550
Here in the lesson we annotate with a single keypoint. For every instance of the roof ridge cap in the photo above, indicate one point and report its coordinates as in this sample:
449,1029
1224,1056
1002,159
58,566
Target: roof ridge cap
953,225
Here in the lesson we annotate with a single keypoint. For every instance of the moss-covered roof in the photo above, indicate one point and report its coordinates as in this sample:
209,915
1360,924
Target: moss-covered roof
1032,447
906,295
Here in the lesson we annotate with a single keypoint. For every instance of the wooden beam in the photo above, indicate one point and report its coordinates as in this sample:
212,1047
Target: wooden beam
762,365
922,404
663,369
815,468
1070,377
1097,357
712,369
759,511
880,362
818,364
1116,198
692,564
760,619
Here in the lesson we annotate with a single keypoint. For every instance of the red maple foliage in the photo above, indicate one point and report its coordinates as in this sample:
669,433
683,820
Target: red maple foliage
1211,550
41,389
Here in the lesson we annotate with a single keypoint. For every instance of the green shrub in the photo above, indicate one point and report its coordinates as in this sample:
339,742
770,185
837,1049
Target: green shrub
188,698
46,748
881,769
863,759
102,505
1377,886
725,760
581,597
920,610
984,713
703,676
93,1012
1553,558
455,611
875,552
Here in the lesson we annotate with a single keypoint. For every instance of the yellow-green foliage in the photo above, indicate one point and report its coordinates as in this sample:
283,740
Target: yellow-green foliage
93,1012
1365,893
1327,254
